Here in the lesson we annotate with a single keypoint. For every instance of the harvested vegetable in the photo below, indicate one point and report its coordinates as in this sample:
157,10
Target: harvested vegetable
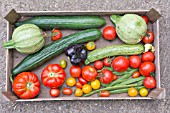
26,39
149,82
56,34
134,61
148,56
109,33
143,92
54,92
107,62
90,45
148,38
78,92
132,92
89,73
63,63
130,28
86,88
104,94
106,76
71,81
146,68
136,74
146,19
67,91
98,64
95,84
75,71
82,80
79,85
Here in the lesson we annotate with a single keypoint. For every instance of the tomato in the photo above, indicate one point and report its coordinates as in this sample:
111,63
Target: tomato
132,92
95,84
75,71
63,63
115,77
89,73
90,46
136,74
120,64
134,61
107,62
149,82
148,56
146,68
98,65
53,76
109,33
71,81
54,92
26,85
67,91
56,34
82,80
79,85
104,94
146,19
148,38
78,92
86,88
143,92
106,76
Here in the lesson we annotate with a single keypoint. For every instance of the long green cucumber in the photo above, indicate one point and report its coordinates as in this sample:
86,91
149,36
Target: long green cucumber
55,48
65,22
114,50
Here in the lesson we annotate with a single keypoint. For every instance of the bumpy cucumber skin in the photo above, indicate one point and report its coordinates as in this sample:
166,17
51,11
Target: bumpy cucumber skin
55,48
122,49
65,22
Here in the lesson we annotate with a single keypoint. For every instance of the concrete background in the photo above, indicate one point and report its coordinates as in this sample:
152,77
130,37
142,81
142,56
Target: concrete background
117,106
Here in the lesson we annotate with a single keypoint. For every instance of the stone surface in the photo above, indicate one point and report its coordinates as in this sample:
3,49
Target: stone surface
117,106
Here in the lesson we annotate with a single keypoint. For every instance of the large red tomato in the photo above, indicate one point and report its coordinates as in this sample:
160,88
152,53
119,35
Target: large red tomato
146,68
149,82
134,61
26,85
120,64
148,56
106,76
75,71
53,76
89,73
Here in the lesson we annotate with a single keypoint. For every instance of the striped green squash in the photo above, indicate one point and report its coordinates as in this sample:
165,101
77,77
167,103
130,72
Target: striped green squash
27,39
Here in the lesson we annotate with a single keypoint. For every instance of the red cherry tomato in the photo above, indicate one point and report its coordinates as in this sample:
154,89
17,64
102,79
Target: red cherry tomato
79,85
107,62
75,71
149,82
148,56
67,91
82,80
104,94
54,92
115,77
98,65
148,38
136,74
109,33
56,34
146,19
120,64
106,76
134,61
89,73
146,68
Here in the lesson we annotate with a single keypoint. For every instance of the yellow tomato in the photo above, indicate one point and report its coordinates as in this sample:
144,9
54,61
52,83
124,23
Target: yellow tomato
78,92
143,92
90,46
95,84
132,92
86,88
71,81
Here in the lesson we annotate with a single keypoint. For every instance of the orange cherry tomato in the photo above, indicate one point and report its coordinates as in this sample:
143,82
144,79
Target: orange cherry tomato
136,74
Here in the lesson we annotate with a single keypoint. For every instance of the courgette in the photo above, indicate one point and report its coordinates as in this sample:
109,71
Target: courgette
65,22
55,48
108,51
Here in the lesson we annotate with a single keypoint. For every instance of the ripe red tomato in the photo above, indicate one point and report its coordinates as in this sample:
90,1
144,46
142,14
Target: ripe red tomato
120,64
89,73
109,33
26,85
107,62
53,76
146,68
148,56
98,65
136,74
146,19
79,85
75,71
115,77
54,92
106,76
56,34
104,94
82,80
67,91
149,82
148,38
134,61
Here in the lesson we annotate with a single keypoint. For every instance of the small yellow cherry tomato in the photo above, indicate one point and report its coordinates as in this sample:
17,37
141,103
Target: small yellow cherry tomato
78,92
132,92
90,46
95,84
143,92
63,63
71,81
86,88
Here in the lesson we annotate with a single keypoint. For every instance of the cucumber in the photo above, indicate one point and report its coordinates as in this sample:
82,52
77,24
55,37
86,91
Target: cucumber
65,22
55,48
108,51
